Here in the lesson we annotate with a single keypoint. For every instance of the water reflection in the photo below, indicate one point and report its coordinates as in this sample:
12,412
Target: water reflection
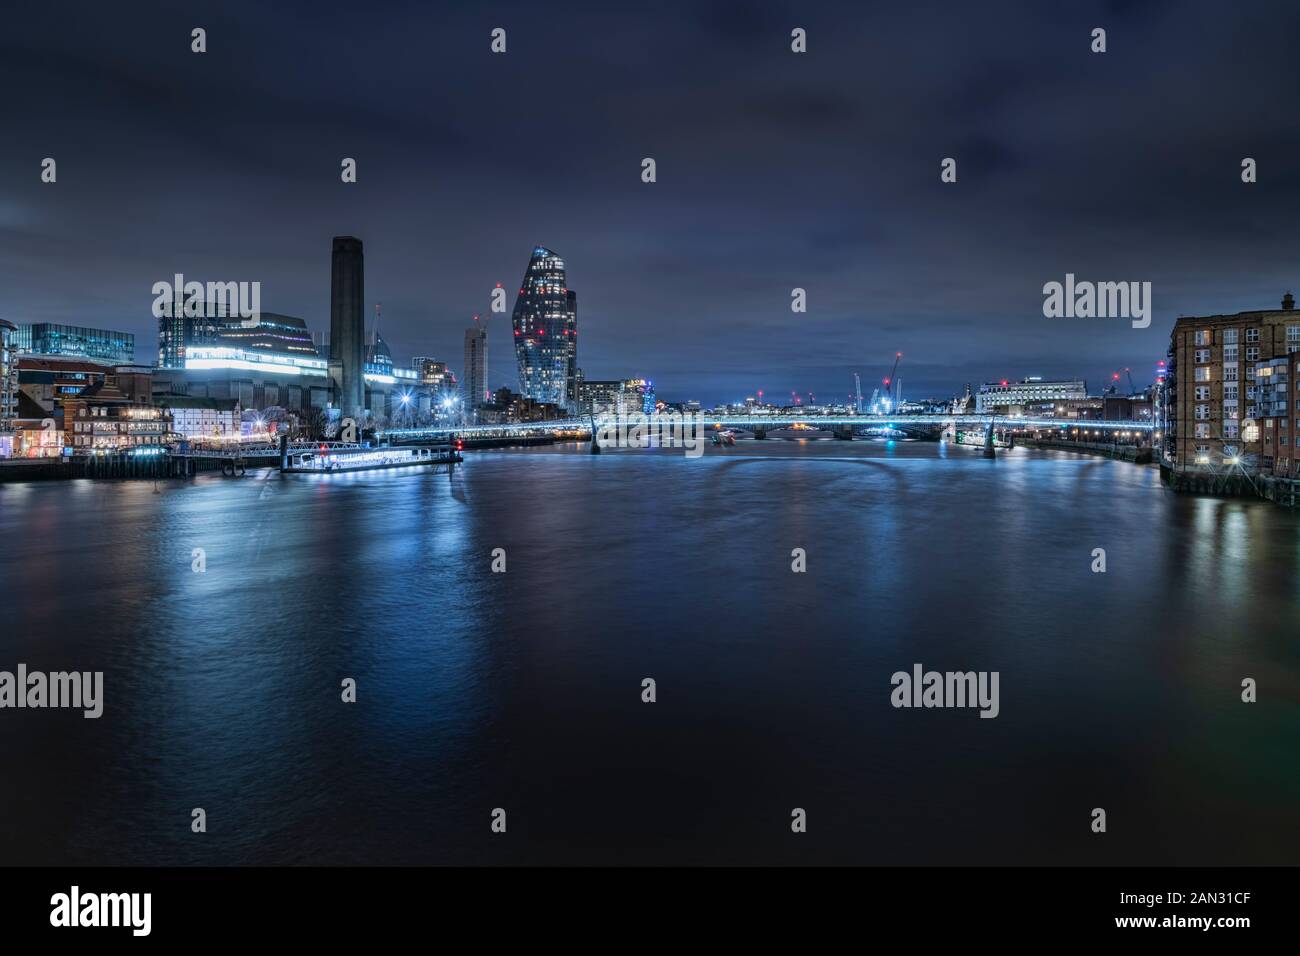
478,689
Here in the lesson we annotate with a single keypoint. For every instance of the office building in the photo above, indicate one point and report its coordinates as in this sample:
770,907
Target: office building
8,374
74,341
1002,398
599,397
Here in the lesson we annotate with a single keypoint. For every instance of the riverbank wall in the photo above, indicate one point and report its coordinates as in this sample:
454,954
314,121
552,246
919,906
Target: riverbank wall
1282,491
1139,456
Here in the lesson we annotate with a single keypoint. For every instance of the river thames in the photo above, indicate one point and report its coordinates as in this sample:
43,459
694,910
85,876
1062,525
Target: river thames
522,690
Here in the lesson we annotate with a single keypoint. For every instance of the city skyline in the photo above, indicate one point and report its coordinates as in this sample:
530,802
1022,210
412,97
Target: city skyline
687,279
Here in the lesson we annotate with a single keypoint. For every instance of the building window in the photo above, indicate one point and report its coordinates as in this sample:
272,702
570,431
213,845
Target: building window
1252,335
1202,355
1203,393
1203,374
1203,337
1230,430
1252,354
1230,373
1229,336
1202,411
1202,430
1230,353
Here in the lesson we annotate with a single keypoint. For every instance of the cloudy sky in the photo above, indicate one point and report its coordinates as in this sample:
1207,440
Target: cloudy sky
775,170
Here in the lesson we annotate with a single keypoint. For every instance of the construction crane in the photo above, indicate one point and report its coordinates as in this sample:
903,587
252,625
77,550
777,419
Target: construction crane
888,392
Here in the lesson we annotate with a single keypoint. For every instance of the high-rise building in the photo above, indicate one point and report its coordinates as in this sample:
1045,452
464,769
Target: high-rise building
545,324
474,384
8,374
573,375
75,341
1220,386
347,325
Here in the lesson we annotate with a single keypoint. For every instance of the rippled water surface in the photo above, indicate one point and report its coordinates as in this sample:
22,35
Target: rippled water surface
522,690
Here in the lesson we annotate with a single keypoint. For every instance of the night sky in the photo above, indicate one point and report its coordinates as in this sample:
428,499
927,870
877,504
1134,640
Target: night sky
775,170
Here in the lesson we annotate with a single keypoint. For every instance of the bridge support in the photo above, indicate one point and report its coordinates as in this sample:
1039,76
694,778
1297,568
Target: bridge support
760,434
844,433
595,445
284,451
989,452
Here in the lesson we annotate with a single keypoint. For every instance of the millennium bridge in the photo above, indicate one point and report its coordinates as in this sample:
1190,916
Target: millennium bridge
842,425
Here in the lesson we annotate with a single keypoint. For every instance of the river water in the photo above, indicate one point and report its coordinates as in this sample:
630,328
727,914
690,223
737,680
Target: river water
522,690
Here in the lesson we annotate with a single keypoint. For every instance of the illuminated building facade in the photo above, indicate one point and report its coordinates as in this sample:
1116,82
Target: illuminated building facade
74,341
179,331
102,418
1225,376
1000,397
636,395
8,374
545,325
598,398
198,418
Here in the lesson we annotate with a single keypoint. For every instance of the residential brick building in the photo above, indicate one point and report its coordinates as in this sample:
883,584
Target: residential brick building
1214,403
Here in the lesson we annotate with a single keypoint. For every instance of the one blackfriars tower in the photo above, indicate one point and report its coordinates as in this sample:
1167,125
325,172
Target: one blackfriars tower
546,331
347,327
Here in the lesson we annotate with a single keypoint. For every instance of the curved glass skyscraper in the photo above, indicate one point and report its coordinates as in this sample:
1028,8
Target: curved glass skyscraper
546,332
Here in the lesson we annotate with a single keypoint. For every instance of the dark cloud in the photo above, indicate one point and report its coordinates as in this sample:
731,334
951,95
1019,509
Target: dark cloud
775,170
